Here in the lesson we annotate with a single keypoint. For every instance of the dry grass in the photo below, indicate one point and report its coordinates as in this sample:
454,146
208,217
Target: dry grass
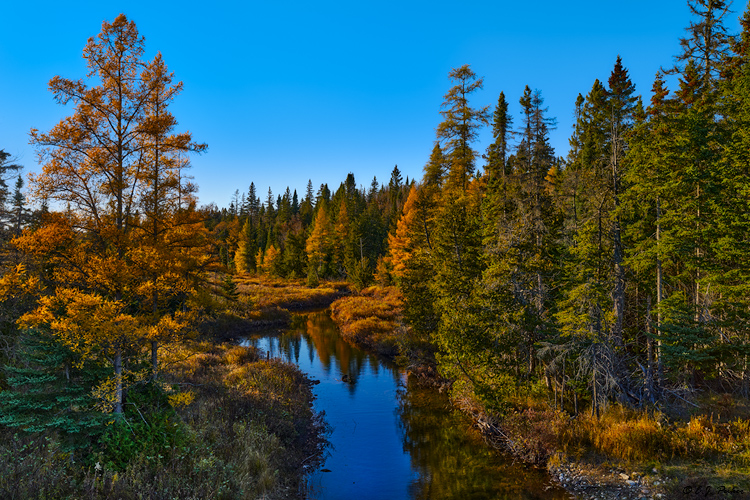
267,292
633,440
625,435
372,319
249,430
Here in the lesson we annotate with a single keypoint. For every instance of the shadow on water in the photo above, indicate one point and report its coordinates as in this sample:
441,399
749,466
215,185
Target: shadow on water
391,438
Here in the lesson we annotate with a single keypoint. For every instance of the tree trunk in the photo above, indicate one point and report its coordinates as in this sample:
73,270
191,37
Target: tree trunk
649,382
154,359
618,293
118,381
595,396
659,357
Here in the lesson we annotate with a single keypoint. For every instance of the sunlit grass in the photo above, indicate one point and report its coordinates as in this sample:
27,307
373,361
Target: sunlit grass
631,439
371,319
248,427
267,292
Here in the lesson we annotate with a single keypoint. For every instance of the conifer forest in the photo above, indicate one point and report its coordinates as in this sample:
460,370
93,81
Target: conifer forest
587,308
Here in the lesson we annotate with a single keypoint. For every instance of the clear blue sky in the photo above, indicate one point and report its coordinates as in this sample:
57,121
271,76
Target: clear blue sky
284,92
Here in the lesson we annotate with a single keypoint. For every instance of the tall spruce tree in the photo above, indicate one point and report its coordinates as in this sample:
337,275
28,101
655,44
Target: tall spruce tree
460,126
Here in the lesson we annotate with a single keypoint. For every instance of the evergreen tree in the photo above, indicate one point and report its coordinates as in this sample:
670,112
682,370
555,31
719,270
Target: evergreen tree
650,157
7,169
244,258
520,241
309,192
51,390
498,151
436,167
19,210
253,203
374,186
396,180
460,126
295,259
341,240
708,42
456,242
621,102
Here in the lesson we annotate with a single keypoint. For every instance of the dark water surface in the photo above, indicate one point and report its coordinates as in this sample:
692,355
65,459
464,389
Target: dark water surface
392,439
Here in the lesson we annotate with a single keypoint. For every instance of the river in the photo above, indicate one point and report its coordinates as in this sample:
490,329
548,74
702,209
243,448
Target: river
392,439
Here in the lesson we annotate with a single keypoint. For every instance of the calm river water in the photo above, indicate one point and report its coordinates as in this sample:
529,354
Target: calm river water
392,439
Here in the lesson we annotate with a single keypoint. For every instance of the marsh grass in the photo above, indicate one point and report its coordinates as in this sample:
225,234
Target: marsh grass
245,432
267,293
372,319
699,446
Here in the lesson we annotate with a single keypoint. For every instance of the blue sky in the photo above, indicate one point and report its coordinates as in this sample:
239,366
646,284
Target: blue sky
284,92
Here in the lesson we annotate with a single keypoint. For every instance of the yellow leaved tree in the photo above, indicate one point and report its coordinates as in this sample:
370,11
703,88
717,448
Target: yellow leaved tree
93,327
400,245
319,245
127,249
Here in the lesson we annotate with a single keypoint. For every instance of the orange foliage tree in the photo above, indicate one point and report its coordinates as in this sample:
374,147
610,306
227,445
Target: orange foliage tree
319,245
400,244
128,246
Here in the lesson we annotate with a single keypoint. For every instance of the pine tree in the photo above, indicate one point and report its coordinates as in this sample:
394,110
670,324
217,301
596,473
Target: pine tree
52,390
650,157
621,102
520,241
498,151
19,210
460,126
341,239
7,169
396,180
456,241
253,203
730,272
295,259
708,42
247,247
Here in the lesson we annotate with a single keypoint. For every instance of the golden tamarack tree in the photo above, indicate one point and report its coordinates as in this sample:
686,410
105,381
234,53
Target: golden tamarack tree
126,250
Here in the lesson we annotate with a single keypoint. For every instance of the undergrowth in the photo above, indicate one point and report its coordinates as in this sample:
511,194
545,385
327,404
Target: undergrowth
222,424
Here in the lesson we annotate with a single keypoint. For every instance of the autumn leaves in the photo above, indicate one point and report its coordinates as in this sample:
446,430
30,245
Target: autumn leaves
123,252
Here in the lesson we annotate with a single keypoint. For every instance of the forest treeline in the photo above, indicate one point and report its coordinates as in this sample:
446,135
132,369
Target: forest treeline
617,273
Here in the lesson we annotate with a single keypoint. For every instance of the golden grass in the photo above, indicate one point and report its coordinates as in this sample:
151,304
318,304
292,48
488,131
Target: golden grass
637,436
372,319
248,424
668,455
267,292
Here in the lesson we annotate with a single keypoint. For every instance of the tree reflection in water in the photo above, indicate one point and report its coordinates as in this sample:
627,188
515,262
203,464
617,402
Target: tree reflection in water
391,438
451,458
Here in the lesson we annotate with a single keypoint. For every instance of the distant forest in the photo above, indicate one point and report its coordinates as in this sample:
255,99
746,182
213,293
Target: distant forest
617,273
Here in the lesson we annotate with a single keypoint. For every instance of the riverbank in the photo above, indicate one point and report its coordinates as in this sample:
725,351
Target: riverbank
373,320
243,304
622,454
222,422
391,436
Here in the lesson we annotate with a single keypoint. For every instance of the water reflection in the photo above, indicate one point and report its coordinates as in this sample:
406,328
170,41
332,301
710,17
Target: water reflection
451,458
392,439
